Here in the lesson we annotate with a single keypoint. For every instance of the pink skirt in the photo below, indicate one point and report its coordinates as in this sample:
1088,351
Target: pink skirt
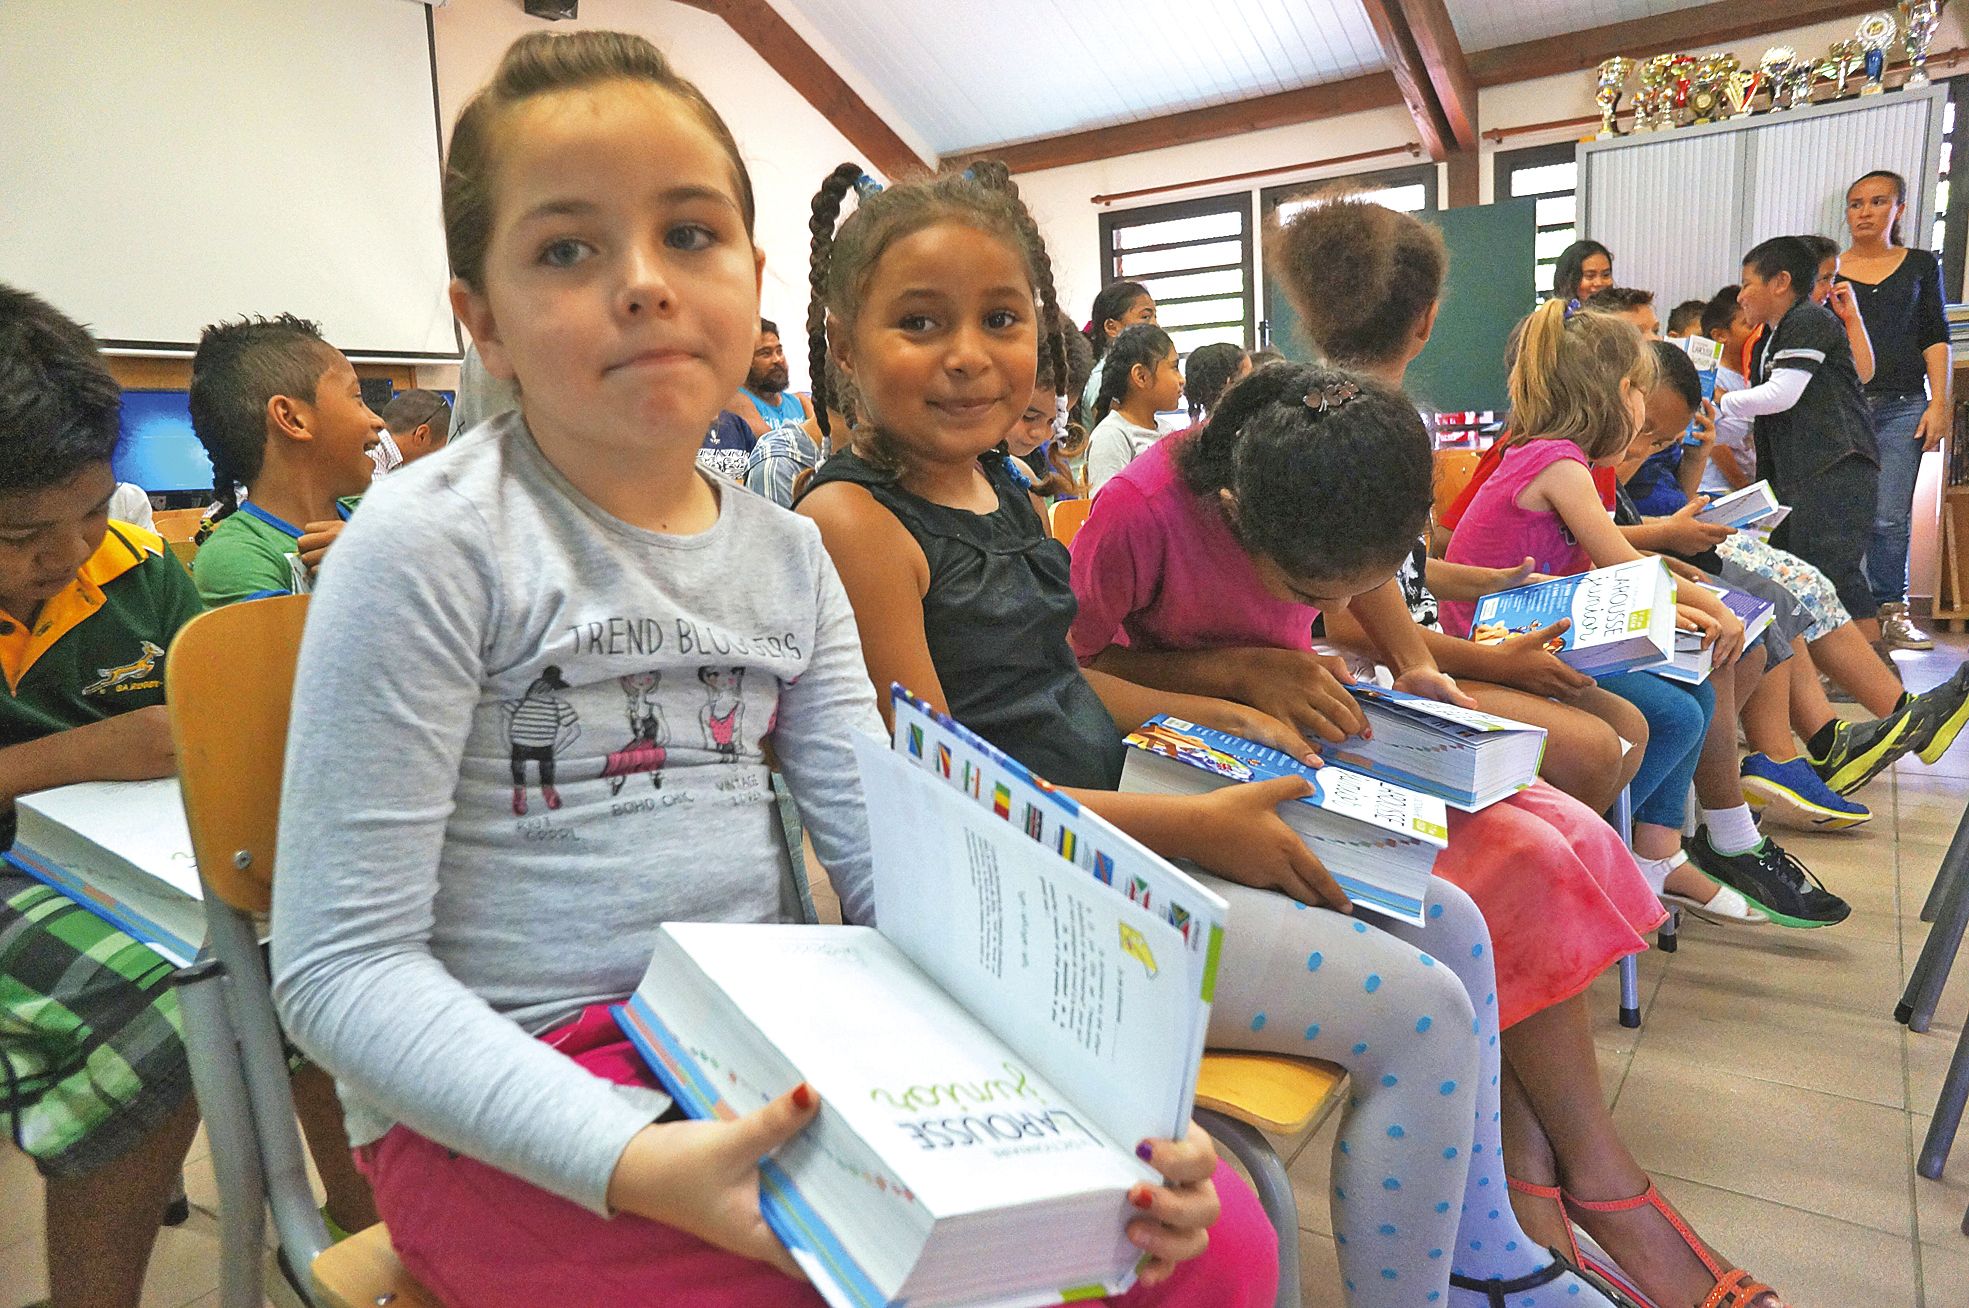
476,1237
1561,894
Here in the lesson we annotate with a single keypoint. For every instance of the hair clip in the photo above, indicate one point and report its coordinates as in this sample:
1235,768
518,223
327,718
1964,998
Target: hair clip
1332,396
866,186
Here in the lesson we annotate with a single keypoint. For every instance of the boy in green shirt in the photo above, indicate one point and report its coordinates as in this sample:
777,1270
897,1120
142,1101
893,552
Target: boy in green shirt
280,412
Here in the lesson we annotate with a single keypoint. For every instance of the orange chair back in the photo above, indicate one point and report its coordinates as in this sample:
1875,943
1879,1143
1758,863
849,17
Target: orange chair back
1454,468
1067,517
228,681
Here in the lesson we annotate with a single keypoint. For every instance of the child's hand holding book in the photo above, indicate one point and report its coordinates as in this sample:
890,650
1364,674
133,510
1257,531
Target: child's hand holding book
1304,690
1237,833
1177,1216
703,1176
1526,662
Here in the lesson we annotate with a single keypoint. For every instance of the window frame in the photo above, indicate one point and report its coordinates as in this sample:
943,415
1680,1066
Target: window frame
1955,217
1505,163
1237,202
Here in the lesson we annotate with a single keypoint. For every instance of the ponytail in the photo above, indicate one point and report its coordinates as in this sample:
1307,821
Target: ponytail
1109,305
1143,344
1566,381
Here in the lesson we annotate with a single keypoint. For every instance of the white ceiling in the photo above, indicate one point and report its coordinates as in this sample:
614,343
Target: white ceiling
970,73
967,73
1483,24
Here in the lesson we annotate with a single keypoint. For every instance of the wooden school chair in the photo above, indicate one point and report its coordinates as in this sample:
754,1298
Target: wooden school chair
1066,518
228,682
1454,468
1247,1100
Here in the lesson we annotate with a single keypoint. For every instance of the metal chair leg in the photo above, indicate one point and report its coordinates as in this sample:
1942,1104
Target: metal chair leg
1667,936
1948,1112
1630,992
1249,1146
222,1101
1937,957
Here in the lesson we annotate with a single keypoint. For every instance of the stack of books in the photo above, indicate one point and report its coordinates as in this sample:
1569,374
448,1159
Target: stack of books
986,1061
1623,617
1379,840
1694,661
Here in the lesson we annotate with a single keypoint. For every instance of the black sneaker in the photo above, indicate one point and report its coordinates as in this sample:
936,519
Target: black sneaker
1861,751
1772,880
1936,716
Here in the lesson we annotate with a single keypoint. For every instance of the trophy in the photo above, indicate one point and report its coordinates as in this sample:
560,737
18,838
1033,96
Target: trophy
1839,64
1681,72
1875,34
1614,73
1919,18
1798,84
1712,76
1652,112
1740,90
1775,68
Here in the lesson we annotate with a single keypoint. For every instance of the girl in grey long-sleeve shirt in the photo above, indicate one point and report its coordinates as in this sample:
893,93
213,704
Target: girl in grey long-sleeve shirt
462,867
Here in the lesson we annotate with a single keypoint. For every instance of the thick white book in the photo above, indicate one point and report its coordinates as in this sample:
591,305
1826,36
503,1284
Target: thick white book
1623,617
1756,505
122,850
1379,841
986,1061
1465,757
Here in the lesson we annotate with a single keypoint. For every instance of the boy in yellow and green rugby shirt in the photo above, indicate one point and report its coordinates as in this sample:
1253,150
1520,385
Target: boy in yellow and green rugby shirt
94,1083
95,1088
280,412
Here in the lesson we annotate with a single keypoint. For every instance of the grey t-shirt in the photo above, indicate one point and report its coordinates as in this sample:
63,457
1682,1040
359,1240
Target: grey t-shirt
524,735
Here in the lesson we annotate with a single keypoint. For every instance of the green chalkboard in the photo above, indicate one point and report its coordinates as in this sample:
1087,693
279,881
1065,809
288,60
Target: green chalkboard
1490,288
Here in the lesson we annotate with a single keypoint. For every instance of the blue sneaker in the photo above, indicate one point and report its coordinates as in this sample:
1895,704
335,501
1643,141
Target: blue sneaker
1794,790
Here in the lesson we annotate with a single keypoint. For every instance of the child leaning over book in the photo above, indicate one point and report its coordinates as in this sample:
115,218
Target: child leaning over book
557,600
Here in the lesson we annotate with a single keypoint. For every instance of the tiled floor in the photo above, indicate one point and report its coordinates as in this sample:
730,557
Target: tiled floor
1769,1089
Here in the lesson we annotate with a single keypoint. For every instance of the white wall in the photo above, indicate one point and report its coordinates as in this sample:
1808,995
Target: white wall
787,145
1061,198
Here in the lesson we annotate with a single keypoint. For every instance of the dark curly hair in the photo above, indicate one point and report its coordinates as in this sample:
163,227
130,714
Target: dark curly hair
1326,495
59,406
1360,276
1206,373
982,196
238,367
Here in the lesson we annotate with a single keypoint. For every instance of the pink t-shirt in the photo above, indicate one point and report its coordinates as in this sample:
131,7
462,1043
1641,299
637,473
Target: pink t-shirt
1157,568
1496,533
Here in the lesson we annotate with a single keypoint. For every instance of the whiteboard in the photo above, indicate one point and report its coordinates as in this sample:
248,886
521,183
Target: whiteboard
169,163
1679,209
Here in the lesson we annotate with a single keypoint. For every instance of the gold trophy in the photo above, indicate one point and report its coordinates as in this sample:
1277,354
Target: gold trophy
1775,67
1681,73
1712,77
1919,18
1652,112
1841,60
1875,34
1614,73
1740,90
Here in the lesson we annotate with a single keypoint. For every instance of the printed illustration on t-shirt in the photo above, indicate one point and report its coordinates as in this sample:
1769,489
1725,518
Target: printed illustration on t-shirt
649,734
541,724
724,708
136,670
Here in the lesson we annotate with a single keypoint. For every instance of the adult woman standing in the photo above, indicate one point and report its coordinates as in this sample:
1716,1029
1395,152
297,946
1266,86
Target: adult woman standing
1899,291
1584,269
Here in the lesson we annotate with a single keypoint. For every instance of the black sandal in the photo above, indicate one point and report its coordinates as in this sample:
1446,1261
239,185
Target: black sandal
1497,1290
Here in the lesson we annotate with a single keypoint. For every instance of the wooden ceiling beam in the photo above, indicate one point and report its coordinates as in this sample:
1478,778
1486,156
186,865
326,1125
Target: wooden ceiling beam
1411,75
789,55
1695,30
1448,67
1283,109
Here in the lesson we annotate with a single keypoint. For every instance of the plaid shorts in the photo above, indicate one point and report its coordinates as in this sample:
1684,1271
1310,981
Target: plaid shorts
92,1054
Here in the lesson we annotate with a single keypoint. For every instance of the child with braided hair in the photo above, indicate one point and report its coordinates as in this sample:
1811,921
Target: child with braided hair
934,301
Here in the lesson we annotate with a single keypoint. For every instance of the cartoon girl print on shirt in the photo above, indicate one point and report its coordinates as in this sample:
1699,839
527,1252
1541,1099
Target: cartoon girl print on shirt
724,708
648,734
541,725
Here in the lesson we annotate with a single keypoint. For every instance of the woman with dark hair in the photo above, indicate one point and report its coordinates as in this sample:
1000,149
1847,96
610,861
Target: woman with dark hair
1584,269
1900,296
1119,306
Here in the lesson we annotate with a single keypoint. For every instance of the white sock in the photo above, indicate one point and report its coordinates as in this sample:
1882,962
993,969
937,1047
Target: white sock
1656,870
1732,830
